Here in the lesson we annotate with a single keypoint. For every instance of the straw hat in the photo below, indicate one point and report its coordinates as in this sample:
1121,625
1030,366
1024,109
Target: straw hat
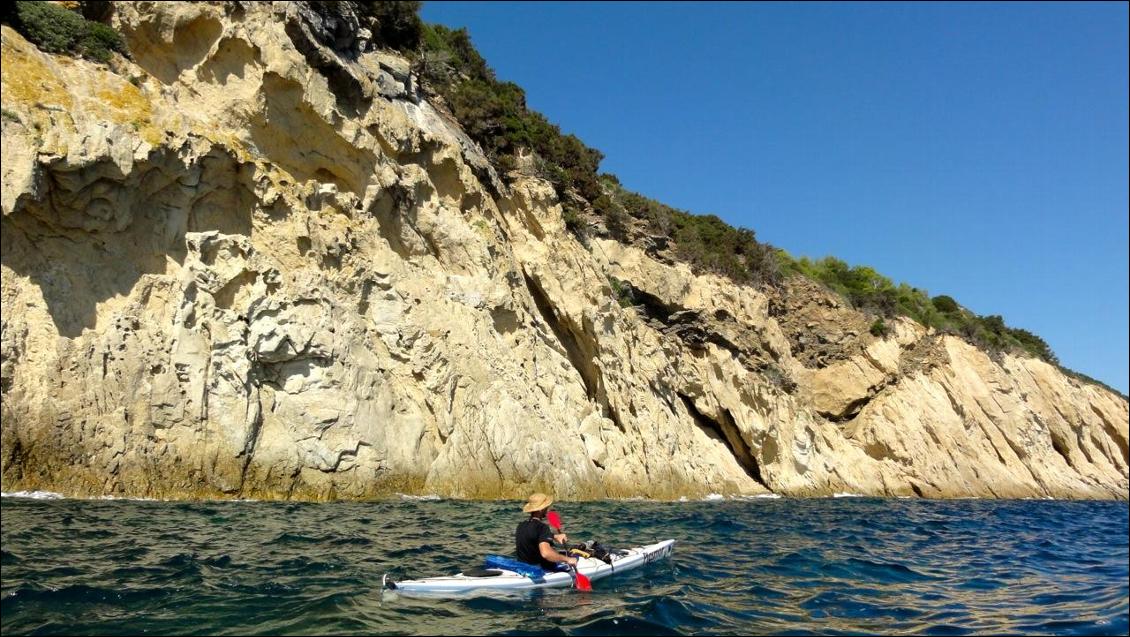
537,502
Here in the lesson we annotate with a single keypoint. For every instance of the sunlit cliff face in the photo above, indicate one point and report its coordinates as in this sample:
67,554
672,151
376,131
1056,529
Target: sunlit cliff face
250,262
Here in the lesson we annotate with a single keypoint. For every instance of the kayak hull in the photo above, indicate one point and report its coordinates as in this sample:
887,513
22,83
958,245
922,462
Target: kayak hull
506,580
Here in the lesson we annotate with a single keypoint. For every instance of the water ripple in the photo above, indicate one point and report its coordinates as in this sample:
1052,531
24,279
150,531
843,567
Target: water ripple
780,566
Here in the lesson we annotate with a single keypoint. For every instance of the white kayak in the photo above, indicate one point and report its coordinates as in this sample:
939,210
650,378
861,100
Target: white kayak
504,580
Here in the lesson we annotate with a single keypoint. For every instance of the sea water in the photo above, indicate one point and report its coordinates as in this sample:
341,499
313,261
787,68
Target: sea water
834,565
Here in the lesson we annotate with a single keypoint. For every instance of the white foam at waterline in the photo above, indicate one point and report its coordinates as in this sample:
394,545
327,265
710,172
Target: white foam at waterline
848,495
710,497
51,495
33,495
431,497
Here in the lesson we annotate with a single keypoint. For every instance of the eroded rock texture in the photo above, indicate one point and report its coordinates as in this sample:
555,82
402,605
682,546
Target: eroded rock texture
255,262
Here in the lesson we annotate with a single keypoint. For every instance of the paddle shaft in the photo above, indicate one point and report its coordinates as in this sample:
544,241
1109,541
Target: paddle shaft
580,581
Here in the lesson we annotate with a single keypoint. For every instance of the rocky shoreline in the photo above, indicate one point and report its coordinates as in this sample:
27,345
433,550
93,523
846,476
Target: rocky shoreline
247,264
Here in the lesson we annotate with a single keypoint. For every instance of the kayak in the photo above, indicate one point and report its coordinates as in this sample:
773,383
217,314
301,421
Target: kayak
498,579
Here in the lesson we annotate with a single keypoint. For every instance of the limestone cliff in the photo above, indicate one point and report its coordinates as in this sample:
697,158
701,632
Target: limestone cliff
254,261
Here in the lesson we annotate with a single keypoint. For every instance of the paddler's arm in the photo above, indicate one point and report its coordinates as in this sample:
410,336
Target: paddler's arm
550,555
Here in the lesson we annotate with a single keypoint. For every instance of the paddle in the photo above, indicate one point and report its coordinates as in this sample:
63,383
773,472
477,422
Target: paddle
580,580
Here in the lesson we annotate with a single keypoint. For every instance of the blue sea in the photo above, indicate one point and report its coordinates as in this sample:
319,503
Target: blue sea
778,566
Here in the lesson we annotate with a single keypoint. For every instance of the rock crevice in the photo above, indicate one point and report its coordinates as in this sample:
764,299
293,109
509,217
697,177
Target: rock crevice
255,261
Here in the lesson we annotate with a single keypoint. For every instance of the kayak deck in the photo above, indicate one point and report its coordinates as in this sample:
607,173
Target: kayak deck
505,580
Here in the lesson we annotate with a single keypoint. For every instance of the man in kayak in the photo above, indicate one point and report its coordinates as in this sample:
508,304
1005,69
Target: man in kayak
534,538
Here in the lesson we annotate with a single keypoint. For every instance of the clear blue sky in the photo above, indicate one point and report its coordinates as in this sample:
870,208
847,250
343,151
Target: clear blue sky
975,150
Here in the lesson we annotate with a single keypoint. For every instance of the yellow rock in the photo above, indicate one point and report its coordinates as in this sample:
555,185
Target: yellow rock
224,277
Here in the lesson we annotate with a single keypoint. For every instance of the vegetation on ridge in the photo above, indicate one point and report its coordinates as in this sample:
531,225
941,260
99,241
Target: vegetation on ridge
870,291
56,29
705,242
494,113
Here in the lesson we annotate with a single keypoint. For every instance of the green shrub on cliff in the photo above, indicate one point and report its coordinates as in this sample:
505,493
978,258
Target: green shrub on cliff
879,327
56,29
869,291
715,246
1034,344
496,116
865,288
945,304
623,293
446,56
705,242
398,24
574,222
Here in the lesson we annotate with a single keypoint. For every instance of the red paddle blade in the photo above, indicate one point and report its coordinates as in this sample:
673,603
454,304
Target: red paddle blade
583,583
554,520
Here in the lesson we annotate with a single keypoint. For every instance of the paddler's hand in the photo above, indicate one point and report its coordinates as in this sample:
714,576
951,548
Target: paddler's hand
561,538
571,561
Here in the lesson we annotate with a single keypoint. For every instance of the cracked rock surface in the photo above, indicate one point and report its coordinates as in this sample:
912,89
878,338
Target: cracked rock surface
253,262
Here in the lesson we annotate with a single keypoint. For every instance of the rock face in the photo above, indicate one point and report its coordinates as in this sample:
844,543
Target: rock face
254,262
